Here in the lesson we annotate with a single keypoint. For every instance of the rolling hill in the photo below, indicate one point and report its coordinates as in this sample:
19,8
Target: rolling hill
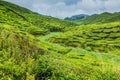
39,47
30,21
105,17
19,47
103,37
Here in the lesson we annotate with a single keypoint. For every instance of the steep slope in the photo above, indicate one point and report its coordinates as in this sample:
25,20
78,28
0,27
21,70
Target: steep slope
39,24
16,48
19,50
101,18
29,57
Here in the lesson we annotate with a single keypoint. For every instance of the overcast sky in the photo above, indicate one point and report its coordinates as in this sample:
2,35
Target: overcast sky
64,8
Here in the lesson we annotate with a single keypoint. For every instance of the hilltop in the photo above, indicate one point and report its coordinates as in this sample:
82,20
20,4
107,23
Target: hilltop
105,17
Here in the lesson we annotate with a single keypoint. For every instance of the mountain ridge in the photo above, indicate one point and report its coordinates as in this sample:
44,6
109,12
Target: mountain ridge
77,17
105,17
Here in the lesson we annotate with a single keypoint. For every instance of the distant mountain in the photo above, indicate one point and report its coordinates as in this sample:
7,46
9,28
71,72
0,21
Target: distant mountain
94,14
39,47
105,17
77,17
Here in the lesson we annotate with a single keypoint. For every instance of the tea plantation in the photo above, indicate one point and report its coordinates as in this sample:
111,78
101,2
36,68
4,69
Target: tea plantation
39,47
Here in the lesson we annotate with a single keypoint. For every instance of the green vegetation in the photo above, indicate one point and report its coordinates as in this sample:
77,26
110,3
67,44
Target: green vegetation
104,37
27,20
18,50
100,18
38,47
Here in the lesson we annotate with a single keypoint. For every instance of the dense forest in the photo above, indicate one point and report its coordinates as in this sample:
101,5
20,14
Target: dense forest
38,47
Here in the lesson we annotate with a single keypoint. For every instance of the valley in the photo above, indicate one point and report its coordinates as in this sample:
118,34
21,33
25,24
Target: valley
39,47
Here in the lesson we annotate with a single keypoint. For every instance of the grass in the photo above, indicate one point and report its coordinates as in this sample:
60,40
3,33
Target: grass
78,63
37,47
46,37
77,66
104,37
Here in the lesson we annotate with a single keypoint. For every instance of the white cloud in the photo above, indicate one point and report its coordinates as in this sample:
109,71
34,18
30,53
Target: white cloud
113,5
64,8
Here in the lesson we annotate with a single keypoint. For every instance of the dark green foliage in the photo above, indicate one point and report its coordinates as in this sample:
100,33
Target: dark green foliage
37,31
42,70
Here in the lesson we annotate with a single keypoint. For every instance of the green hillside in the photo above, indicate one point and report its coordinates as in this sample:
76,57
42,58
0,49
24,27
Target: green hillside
101,18
39,47
103,37
30,21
